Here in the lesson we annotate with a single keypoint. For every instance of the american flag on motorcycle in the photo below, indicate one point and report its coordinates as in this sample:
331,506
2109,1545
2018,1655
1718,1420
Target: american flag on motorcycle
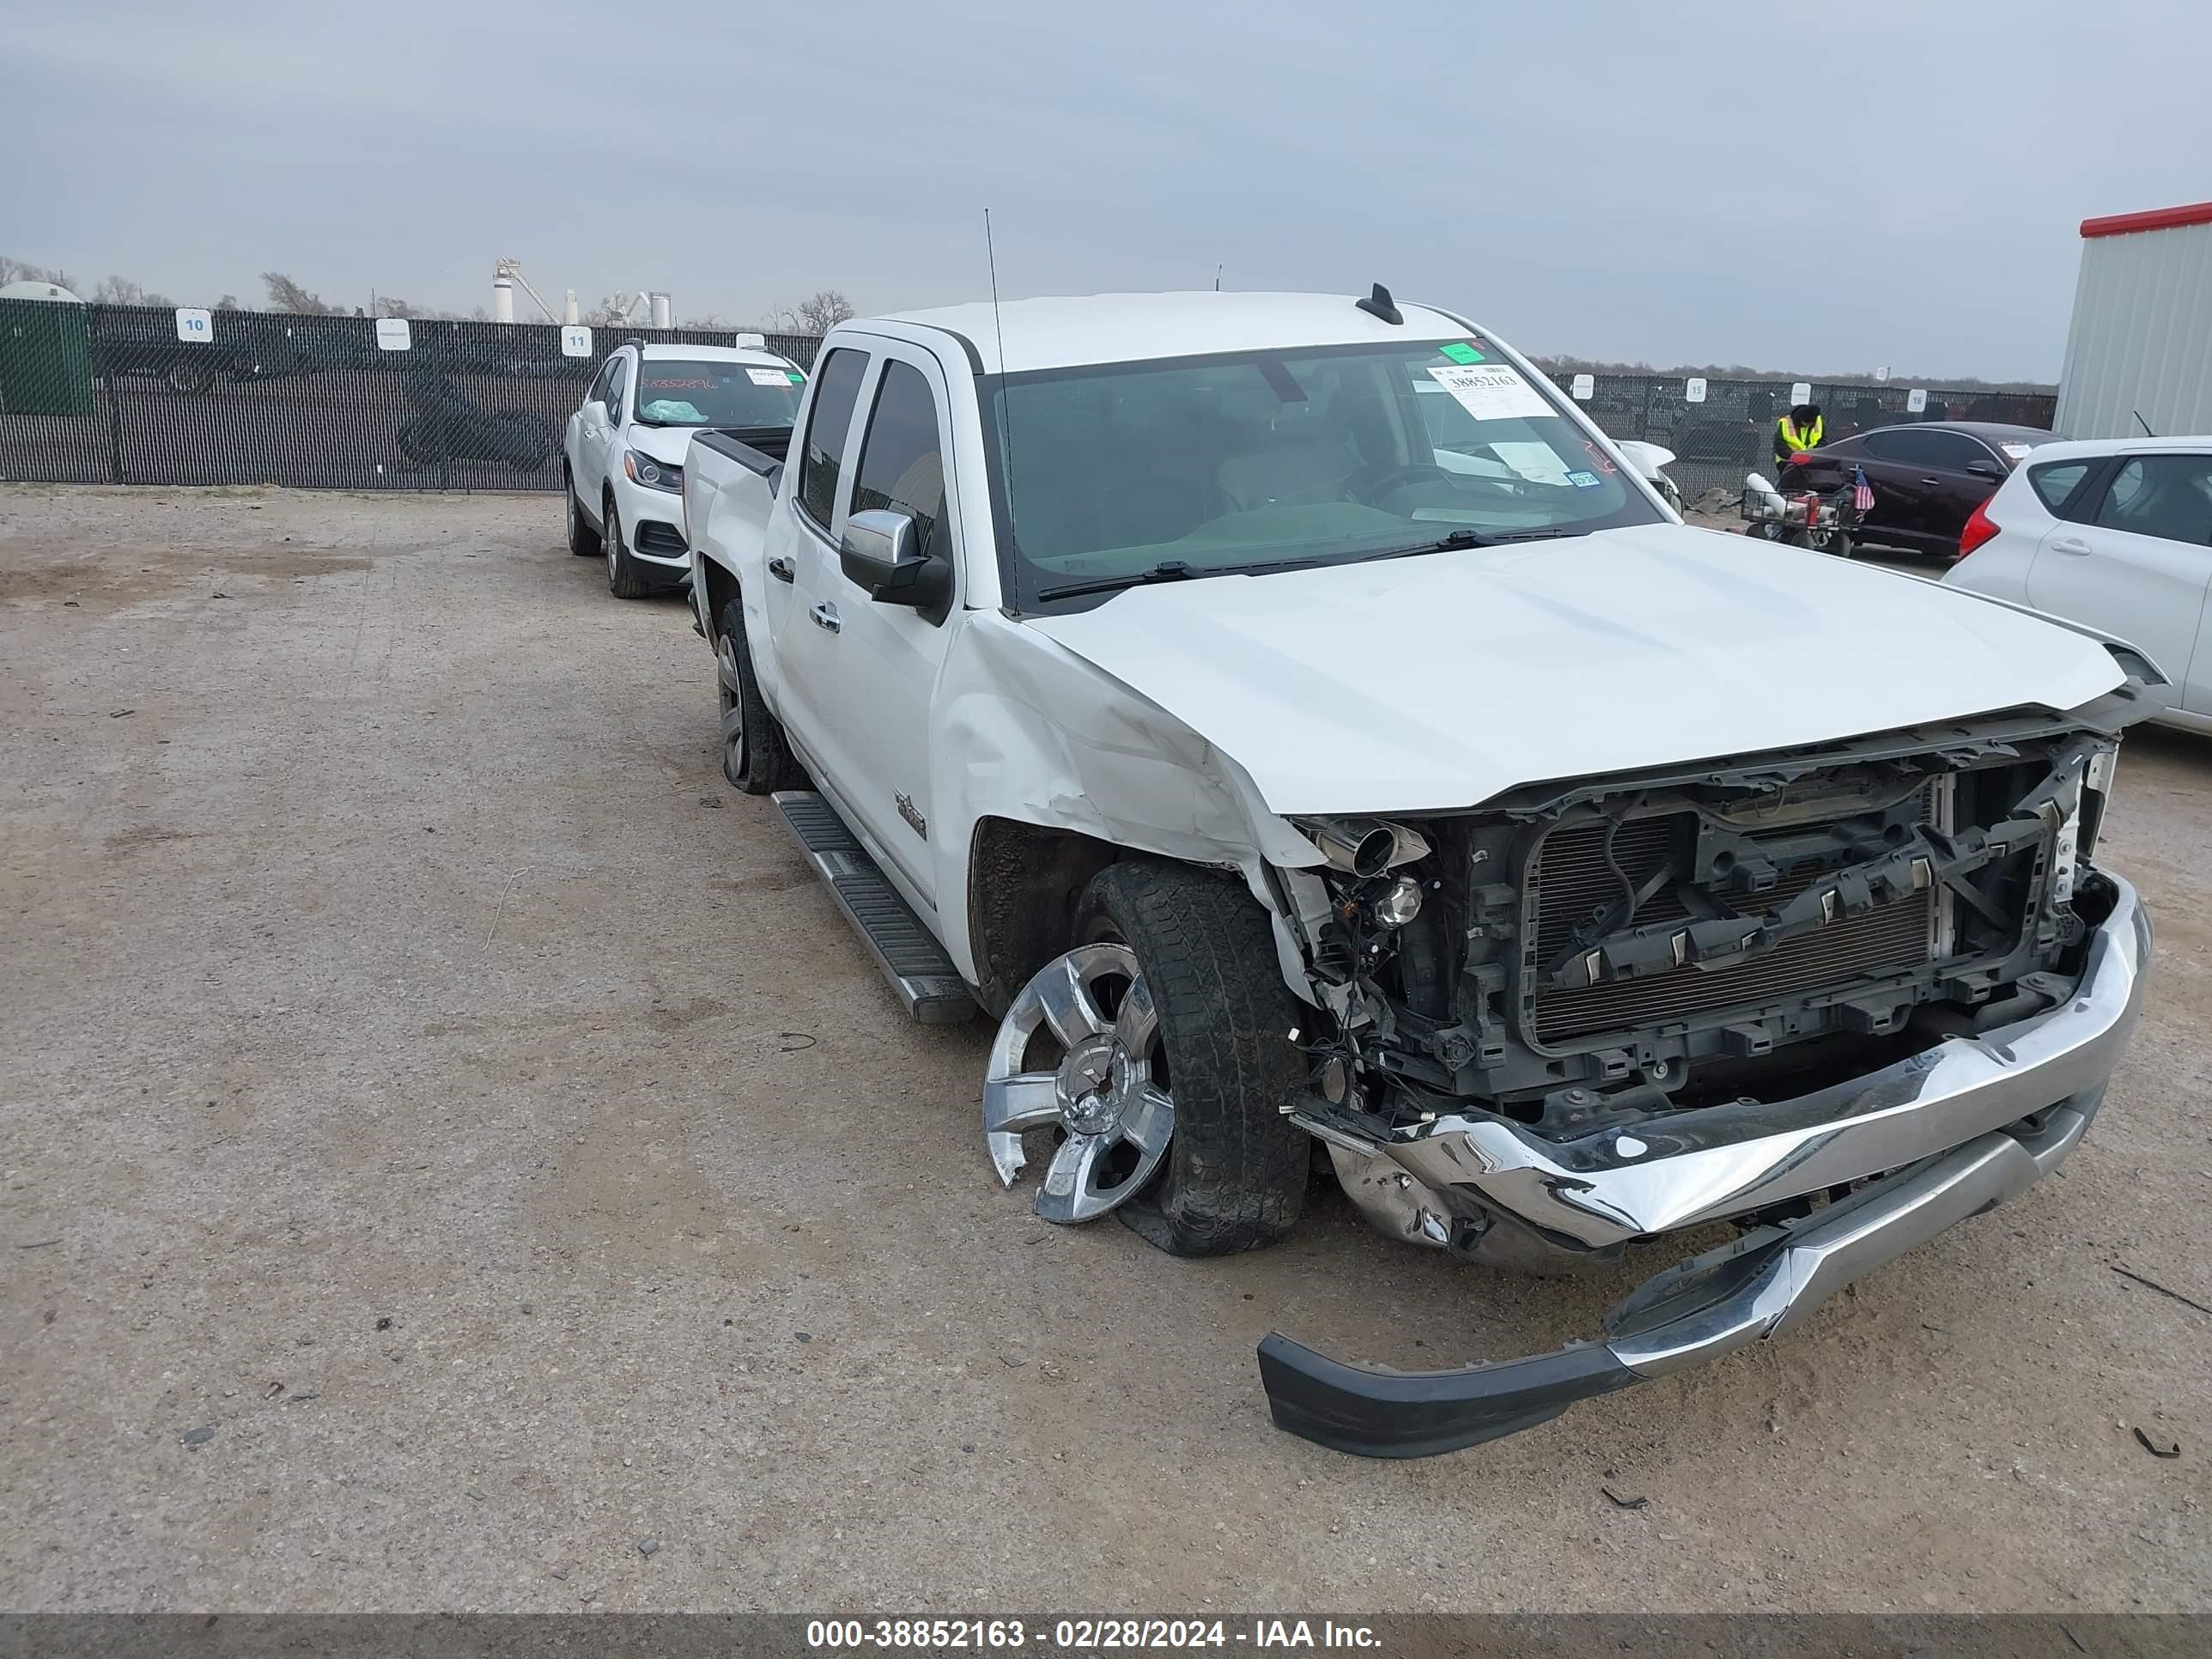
1862,492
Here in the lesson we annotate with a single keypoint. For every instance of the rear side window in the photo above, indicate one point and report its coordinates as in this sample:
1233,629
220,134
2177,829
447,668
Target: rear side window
1952,451
2055,482
902,463
2168,496
836,388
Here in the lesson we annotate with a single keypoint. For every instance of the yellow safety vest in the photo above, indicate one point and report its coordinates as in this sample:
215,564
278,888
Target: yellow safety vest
1799,442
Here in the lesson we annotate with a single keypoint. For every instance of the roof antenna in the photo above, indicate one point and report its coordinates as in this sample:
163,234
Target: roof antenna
2142,423
1005,402
1379,304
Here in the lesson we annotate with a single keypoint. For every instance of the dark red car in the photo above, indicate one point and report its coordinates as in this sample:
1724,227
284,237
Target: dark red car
1927,478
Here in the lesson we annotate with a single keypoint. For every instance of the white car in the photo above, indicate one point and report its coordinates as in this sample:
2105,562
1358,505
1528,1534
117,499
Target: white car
621,456
1294,759
2115,534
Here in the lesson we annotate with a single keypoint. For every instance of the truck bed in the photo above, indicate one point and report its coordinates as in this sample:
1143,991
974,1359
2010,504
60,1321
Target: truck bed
758,449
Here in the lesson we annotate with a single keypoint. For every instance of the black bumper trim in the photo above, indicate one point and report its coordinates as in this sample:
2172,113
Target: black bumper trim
1374,1414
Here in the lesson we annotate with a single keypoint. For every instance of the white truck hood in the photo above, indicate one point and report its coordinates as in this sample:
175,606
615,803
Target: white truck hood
1439,680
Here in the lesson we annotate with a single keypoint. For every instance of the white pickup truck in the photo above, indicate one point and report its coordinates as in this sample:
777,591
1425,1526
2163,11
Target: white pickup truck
1292,719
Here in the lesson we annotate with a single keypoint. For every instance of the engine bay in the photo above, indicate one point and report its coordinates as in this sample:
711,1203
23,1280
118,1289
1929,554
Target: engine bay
1602,951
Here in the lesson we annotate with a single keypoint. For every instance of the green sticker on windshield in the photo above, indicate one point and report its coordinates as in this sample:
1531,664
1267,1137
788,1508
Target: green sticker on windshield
1461,354
797,378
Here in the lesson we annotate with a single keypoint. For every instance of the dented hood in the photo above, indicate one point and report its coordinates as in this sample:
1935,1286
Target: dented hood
1439,680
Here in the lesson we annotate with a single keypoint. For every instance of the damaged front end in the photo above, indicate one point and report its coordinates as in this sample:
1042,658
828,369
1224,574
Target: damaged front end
1839,998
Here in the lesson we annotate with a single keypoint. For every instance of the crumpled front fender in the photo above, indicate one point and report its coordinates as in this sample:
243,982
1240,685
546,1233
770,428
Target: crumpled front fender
1027,730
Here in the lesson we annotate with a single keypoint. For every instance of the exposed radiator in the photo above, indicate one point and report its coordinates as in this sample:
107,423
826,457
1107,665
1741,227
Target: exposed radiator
1574,886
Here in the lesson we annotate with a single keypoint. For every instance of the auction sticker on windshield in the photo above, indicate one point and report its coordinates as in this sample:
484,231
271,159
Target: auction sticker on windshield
768,377
1536,462
1462,355
1490,393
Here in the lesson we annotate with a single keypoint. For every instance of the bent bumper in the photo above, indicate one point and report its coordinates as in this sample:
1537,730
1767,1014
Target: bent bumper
1959,1128
1700,1166
1754,1290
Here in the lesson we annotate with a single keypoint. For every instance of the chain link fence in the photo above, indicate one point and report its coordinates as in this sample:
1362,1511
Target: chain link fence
132,394
129,394
1731,431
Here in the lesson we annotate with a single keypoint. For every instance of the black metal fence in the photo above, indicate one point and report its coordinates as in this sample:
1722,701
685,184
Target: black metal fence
1731,431
130,394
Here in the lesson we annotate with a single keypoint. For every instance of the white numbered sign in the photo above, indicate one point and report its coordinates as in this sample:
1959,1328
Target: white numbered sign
1882,374
575,340
1584,388
1916,401
1802,392
1693,391
194,325
391,334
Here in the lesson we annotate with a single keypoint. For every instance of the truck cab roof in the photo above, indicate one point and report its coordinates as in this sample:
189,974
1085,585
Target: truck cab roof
1113,328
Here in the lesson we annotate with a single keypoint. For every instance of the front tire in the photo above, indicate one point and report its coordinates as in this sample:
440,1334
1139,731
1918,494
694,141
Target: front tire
1234,1175
756,758
624,580
583,540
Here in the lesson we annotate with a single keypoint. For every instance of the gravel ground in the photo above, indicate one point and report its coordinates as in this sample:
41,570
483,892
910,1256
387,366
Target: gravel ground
447,1139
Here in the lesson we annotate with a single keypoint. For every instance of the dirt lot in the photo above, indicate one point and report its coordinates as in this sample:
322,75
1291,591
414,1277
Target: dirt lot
447,1139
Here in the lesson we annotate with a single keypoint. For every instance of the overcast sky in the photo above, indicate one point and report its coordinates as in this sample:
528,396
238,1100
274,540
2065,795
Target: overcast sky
1793,186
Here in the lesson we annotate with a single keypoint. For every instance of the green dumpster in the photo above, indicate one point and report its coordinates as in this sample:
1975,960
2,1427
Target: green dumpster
45,357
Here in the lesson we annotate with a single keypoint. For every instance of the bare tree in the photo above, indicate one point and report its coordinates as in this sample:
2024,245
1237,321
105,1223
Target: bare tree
816,314
285,295
122,291
229,302
14,270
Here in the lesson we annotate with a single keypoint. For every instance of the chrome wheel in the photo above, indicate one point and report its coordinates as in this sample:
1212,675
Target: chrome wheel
1080,1050
730,690
613,533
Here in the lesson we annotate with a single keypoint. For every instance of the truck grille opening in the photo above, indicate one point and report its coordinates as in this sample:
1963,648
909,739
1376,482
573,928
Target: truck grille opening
1574,886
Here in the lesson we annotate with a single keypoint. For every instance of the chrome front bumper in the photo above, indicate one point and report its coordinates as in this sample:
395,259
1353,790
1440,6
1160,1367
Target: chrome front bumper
1727,1160
1960,1129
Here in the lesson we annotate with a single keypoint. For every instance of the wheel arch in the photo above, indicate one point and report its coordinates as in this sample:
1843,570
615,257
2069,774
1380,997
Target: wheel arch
721,587
1024,881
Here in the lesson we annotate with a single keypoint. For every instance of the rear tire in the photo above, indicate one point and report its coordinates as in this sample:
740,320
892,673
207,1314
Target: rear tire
1235,1175
583,540
756,758
624,580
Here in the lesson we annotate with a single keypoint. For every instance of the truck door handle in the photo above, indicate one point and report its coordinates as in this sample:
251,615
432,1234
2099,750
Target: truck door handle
2070,544
1931,482
781,569
826,615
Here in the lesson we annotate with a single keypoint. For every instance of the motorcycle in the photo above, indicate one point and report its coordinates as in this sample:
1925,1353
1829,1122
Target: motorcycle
1824,521
449,426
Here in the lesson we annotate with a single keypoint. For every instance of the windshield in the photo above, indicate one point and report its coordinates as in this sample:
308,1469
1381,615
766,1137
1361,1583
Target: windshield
1108,472
680,392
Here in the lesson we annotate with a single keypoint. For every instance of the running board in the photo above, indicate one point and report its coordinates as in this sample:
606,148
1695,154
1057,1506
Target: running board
919,972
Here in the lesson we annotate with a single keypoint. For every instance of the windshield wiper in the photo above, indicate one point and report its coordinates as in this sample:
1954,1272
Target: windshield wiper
1168,570
1460,538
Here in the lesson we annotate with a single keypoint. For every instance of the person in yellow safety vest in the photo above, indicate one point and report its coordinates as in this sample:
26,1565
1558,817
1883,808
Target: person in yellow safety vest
1796,432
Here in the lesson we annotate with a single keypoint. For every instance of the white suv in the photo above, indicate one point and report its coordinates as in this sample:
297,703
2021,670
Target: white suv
2116,534
621,460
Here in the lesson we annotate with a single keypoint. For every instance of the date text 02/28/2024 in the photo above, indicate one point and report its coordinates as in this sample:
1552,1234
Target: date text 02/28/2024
1083,1635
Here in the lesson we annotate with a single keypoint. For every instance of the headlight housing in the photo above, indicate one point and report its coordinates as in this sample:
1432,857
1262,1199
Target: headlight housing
654,475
